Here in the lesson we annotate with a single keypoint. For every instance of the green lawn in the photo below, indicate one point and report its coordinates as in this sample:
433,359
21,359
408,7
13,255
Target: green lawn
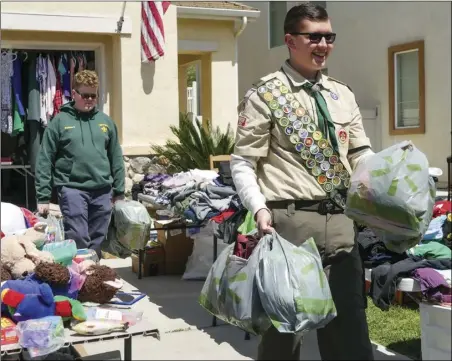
397,329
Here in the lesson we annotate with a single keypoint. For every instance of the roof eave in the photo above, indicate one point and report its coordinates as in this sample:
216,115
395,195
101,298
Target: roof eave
186,12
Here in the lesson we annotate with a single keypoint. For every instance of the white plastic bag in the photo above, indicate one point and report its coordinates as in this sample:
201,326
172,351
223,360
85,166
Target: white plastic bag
12,219
293,287
132,223
392,193
200,261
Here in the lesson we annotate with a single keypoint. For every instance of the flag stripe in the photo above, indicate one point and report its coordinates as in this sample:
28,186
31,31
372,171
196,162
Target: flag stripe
152,30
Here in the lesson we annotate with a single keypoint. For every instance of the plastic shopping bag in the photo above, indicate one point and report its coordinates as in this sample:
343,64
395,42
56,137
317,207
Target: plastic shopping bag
293,287
132,223
230,291
54,231
392,193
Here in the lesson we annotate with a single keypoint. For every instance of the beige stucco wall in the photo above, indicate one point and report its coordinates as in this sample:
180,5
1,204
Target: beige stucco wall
142,98
219,82
360,59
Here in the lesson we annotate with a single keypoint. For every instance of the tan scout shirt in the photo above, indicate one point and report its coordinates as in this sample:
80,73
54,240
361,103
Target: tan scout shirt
280,173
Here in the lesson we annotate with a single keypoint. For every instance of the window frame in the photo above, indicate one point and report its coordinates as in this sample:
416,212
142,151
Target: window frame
392,87
270,27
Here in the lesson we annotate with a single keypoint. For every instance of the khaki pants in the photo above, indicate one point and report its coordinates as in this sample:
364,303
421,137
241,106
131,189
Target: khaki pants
347,336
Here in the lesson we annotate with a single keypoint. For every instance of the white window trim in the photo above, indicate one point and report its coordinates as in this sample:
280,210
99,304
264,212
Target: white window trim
99,53
75,23
396,100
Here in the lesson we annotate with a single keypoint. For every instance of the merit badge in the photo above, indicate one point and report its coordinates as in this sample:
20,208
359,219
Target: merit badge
338,167
294,103
308,142
300,112
334,96
286,108
316,171
305,119
336,181
273,104
310,163
299,147
284,122
277,82
342,135
303,133
294,138
270,86
242,121
327,152
334,159
322,179
305,154
330,173
289,130
328,187
268,96
262,89
284,89
311,127
319,158
317,135
292,117
297,125
323,143
290,97
278,113
325,166
282,100
314,149
276,93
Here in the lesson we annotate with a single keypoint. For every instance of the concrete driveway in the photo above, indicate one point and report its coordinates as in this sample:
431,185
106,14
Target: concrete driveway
186,328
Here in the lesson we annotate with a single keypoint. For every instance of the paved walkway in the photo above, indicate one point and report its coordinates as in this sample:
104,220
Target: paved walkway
185,327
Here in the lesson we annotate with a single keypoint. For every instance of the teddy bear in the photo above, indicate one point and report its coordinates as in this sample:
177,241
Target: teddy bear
5,275
85,281
20,255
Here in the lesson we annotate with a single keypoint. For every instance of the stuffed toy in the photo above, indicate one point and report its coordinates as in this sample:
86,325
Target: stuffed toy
5,274
20,255
100,285
25,300
84,281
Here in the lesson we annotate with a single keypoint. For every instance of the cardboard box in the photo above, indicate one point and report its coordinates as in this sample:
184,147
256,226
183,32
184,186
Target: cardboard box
9,333
178,247
153,263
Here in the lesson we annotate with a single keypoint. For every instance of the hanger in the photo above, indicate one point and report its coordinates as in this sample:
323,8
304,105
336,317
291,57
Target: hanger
26,56
6,52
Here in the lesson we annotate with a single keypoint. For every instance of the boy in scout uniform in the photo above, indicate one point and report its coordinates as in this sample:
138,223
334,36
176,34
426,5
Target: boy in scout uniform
299,137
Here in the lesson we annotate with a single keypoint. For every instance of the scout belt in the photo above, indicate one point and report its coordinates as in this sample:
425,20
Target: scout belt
319,157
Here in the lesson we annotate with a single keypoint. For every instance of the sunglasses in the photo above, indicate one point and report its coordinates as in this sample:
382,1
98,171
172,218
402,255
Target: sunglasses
316,38
86,96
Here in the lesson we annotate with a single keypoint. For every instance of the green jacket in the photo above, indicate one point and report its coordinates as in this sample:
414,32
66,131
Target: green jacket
79,150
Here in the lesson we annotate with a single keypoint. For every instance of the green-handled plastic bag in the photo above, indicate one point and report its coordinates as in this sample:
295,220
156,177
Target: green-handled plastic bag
293,287
230,292
392,193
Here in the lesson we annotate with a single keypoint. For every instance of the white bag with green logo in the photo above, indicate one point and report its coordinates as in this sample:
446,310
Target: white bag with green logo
230,292
293,287
392,193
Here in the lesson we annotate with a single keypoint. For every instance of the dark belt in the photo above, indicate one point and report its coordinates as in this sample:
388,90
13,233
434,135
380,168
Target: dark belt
323,207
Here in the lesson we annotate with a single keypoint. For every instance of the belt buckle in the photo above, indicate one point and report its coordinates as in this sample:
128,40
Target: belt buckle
326,206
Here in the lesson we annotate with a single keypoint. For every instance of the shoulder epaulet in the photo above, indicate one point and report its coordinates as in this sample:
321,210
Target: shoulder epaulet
265,79
340,82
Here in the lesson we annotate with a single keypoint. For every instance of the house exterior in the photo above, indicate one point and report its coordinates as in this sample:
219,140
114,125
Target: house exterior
144,99
397,63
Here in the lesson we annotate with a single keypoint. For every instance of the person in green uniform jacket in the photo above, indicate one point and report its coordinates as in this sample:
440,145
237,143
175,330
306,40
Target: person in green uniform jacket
81,156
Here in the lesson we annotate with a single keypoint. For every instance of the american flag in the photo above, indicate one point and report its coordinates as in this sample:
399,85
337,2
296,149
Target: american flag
152,32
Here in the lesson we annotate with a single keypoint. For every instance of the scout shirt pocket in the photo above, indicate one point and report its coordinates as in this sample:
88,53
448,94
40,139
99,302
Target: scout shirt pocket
342,120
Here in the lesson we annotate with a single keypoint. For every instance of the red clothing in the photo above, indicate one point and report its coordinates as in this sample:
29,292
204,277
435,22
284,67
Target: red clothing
441,208
223,216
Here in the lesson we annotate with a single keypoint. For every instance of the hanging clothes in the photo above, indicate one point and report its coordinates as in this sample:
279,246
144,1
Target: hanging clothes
63,69
47,85
58,99
6,96
19,111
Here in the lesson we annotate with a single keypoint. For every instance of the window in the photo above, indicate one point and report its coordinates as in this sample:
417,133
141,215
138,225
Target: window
406,89
277,11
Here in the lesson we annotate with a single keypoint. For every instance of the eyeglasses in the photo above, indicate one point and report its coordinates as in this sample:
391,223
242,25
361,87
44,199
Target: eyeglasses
316,38
86,96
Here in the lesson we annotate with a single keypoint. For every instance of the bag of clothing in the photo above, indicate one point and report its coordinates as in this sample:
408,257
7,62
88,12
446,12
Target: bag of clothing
392,193
132,223
230,291
293,287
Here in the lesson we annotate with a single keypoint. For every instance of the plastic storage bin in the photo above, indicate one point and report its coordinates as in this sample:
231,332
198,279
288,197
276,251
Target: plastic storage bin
435,332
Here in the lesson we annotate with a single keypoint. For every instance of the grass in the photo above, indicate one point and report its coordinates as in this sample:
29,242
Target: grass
397,329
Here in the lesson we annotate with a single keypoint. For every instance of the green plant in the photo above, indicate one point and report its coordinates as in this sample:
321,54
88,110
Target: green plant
194,144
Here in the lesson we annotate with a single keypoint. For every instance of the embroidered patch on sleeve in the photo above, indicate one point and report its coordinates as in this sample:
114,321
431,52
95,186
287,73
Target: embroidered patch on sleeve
242,121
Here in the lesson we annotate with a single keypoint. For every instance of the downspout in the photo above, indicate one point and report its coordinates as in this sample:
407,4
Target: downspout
236,35
121,18
242,27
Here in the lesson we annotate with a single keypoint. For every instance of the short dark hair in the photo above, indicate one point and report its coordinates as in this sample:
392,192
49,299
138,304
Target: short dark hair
305,11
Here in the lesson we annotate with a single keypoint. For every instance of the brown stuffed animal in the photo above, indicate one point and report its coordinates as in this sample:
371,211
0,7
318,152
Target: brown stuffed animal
100,286
54,274
5,274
